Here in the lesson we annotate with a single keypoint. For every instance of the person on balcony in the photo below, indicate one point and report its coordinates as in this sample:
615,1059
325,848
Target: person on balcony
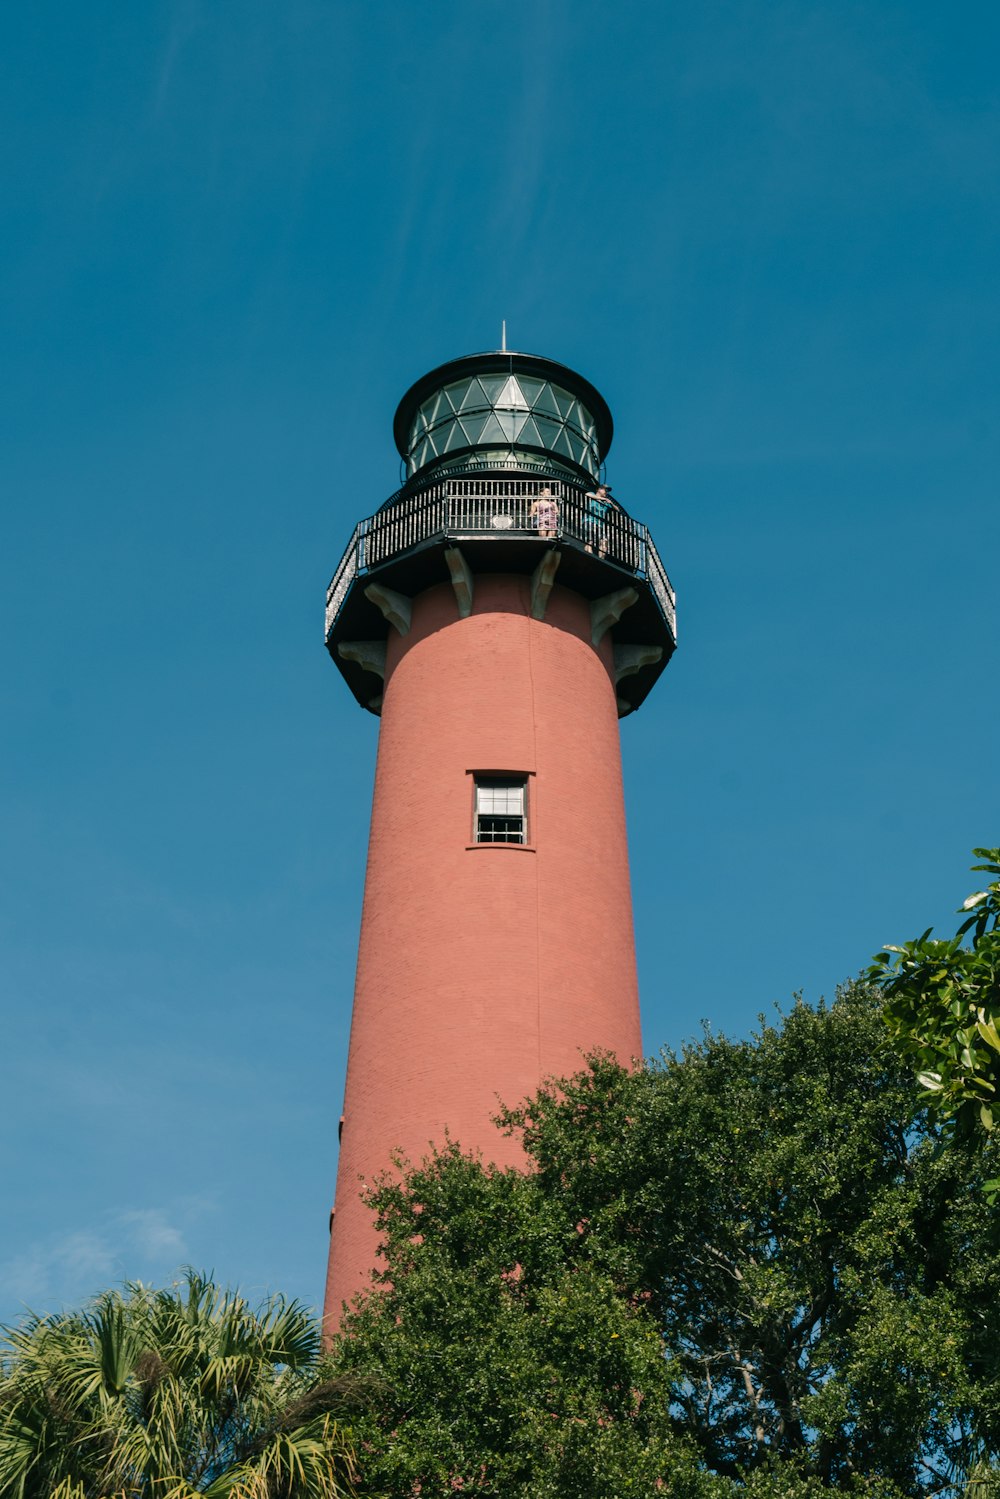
544,514
597,506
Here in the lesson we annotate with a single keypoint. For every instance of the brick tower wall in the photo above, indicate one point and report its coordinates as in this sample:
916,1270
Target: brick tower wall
483,968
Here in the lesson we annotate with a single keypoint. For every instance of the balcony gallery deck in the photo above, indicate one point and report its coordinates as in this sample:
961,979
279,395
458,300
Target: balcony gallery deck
491,516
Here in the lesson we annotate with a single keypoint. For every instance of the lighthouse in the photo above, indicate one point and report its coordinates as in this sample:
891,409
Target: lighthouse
499,613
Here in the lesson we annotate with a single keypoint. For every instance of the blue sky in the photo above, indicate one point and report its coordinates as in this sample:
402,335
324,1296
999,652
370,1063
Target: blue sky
232,236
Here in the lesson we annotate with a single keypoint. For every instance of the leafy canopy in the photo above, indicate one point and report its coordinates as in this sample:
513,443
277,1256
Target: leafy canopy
754,1267
942,1007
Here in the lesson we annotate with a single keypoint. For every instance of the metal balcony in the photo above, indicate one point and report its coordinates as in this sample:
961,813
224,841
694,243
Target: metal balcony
490,518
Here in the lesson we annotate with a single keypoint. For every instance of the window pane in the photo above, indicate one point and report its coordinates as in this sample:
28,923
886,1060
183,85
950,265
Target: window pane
499,810
501,798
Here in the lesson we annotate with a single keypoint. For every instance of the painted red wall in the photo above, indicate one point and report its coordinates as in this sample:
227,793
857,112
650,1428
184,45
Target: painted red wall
483,969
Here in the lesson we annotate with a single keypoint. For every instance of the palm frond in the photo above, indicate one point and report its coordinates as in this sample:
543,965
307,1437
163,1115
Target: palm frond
171,1394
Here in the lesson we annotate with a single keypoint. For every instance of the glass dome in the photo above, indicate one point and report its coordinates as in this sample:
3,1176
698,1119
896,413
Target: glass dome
503,410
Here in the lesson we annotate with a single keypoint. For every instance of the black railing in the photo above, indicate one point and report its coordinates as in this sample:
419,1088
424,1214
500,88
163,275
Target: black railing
545,508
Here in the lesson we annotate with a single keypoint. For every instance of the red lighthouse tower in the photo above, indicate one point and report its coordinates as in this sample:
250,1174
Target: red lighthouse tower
500,613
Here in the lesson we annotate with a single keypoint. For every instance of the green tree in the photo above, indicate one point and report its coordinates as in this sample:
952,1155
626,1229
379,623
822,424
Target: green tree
170,1393
942,1007
750,1268
511,1367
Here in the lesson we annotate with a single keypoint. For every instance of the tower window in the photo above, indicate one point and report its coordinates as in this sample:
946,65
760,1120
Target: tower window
500,809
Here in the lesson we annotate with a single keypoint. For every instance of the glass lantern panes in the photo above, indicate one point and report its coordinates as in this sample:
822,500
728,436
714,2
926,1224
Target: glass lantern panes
500,809
495,411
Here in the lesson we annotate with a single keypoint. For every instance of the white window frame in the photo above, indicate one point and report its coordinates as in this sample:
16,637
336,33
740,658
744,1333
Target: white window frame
498,797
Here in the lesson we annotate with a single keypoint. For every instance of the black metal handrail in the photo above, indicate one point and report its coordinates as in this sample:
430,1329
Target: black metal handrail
477,468
478,506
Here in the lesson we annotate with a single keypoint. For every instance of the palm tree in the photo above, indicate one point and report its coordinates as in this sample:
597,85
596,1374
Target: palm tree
168,1395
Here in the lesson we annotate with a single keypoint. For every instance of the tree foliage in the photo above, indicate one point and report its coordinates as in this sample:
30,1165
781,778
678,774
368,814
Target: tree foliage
943,1009
171,1394
750,1268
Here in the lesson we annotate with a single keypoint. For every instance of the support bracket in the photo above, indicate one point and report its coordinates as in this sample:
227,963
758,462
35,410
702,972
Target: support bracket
541,582
631,658
607,611
369,654
461,580
395,607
